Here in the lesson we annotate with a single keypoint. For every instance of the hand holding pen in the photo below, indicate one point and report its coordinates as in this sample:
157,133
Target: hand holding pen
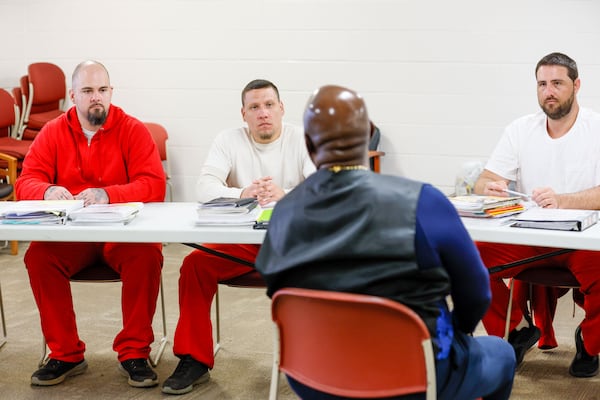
543,197
519,194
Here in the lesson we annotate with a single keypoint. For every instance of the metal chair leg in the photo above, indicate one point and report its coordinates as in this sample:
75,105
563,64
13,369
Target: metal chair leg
218,324
3,340
164,340
509,310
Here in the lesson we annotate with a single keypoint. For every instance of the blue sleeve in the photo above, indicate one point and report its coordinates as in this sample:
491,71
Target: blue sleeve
441,238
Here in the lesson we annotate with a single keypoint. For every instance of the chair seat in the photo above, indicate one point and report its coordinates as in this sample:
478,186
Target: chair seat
14,147
552,276
38,120
98,272
5,190
250,279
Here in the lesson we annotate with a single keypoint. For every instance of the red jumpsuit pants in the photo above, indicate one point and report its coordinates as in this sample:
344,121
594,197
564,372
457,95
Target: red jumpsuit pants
198,280
50,264
585,266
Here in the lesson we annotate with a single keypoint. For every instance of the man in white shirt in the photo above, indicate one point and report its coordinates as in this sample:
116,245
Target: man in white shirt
264,160
552,156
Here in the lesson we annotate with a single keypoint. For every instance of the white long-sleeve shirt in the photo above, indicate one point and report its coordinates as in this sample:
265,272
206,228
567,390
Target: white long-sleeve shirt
235,160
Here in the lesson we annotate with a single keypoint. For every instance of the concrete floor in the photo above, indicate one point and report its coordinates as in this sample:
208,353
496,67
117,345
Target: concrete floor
243,365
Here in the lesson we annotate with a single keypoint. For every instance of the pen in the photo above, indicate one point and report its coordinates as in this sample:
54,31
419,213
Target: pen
516,193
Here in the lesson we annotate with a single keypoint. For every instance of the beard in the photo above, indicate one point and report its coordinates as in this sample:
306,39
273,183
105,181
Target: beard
559,110
96,117
266,135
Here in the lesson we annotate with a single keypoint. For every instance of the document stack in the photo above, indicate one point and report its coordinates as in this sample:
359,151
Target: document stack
37,212
486,206
102,214
228,211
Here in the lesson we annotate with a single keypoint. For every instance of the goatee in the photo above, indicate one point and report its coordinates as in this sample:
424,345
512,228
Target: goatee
97,118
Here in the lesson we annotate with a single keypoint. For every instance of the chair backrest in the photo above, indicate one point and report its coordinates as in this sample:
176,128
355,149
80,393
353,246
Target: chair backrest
48,81
374,154
44,90
160,136
9,114
353,345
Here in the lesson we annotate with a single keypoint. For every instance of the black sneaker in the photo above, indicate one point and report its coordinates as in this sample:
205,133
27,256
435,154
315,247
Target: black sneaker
139,373
188,373
56,371
522,340
583,365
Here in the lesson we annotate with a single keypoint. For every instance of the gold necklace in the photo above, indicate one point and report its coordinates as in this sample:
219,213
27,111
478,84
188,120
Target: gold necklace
337,168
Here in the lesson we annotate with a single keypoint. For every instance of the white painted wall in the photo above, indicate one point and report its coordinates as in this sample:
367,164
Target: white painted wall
441,78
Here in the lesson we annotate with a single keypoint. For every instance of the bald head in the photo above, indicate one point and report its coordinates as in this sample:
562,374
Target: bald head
337,127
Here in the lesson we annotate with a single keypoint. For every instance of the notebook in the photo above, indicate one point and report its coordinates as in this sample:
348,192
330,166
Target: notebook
556,218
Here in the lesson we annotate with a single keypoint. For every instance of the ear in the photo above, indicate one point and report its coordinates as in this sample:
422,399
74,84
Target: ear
310,146
243,114
576,85
72,95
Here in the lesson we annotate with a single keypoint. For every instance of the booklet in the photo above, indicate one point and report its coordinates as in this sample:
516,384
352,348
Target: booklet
227,205
114,213
37,211
556,218
227,219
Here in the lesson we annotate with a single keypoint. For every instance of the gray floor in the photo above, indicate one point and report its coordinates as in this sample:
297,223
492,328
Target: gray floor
243,365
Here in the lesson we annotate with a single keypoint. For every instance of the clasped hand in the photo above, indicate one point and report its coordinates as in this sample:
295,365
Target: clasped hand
264,190
89,196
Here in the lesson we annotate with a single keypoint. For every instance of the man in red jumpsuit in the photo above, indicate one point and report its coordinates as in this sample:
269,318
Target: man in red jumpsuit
97,153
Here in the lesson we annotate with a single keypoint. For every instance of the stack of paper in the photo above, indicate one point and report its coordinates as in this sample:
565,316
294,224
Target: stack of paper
227,205
115,213
487,206
556,218
37,211
222,218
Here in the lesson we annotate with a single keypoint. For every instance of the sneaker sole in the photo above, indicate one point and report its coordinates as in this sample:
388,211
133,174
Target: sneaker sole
187,389
77,370
137,384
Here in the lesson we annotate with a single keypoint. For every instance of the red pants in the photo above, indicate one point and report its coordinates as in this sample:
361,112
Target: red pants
585,265
198,280
50,264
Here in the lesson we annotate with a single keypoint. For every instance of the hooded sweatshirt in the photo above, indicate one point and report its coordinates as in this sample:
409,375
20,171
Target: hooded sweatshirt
121,158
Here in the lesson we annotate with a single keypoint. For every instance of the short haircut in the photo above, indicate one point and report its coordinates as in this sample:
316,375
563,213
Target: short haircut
259,84
559,59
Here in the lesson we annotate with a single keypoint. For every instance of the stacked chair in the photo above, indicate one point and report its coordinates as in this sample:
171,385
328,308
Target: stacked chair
43,92
39,98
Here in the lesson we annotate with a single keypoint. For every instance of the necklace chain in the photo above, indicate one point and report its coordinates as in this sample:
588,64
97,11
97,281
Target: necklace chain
337,168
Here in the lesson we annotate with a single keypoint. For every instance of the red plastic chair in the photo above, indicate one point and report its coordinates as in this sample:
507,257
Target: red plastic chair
351,345
160,136
45,90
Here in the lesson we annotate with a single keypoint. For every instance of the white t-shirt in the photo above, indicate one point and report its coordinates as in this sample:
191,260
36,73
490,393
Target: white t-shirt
527,155
235,160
